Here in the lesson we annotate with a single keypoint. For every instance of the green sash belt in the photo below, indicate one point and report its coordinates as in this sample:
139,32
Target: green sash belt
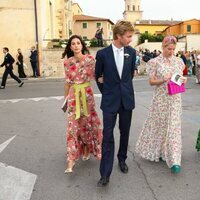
81,88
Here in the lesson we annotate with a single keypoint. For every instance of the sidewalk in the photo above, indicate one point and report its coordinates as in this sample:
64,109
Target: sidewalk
11,81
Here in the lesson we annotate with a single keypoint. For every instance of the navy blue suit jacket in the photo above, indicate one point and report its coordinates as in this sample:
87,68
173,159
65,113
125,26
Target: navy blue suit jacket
115,90
8,61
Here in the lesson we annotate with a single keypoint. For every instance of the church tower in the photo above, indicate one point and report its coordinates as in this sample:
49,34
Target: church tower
132,10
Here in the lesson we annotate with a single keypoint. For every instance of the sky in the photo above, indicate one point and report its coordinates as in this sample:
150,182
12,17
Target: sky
152,9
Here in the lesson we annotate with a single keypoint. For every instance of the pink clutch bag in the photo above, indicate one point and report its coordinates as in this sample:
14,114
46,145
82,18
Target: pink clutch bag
173,88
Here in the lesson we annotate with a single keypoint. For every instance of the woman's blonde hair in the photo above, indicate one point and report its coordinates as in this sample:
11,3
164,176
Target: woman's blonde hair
170,39
121,27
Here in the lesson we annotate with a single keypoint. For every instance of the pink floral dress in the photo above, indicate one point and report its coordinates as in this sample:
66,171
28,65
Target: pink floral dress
86,129
161,133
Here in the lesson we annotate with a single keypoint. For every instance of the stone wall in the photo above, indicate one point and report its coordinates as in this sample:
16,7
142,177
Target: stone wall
52,64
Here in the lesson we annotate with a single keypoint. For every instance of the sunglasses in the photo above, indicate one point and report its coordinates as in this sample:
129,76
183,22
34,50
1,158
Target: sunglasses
169,39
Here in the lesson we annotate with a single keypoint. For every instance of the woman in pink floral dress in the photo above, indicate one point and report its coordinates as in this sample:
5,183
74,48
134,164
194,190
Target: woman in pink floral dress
160,137
84,135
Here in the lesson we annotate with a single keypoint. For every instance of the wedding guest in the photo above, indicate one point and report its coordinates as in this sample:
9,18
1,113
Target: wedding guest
8,63
160,137
99,36
115,68
189,62
33,61
84,135
194,61
20,64
197,70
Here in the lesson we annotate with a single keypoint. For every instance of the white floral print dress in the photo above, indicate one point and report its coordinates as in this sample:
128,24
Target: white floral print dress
161,133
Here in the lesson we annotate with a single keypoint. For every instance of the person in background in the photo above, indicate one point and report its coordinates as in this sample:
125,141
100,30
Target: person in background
197,70
189,62
84,135
182,56
160,138
8,63
194,61
33,61
20,64
99,36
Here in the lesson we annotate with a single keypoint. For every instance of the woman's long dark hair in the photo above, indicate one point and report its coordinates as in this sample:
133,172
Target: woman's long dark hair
68,50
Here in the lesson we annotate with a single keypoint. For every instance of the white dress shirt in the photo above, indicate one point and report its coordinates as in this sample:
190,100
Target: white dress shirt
119,58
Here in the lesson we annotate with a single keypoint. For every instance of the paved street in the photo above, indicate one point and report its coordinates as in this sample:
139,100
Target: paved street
32,149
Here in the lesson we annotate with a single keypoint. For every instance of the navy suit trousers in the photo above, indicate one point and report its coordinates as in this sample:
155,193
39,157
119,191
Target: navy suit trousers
108,144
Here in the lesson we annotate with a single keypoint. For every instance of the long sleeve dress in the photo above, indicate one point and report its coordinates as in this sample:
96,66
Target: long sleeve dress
161,133
84,129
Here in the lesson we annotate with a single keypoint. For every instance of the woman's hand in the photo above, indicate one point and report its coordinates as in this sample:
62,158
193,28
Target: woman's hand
167,77
183,79
100,79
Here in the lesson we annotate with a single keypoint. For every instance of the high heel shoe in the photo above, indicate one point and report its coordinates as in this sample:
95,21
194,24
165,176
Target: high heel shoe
85,158
70,168
86,154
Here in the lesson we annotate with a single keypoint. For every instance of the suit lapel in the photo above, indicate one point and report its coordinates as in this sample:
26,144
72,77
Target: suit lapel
125,60
113,60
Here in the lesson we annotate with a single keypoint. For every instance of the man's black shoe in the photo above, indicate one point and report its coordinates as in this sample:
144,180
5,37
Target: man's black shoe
123,167
2,87
22,83
103,182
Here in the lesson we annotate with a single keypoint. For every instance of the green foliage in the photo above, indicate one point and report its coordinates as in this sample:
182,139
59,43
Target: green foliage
150,38
93,42
198,141
61,43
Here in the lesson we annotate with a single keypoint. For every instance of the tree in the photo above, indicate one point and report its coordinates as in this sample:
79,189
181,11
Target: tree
150,38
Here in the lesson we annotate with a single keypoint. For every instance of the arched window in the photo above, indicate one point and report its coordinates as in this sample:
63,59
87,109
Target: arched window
133,8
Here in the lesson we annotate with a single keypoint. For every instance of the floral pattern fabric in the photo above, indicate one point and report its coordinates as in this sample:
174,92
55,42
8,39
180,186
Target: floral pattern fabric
161,133
85,130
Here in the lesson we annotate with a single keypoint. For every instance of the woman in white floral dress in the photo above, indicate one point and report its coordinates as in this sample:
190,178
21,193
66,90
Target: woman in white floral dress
160,137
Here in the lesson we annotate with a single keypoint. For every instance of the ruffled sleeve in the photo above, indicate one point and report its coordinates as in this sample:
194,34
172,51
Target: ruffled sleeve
91,66
66,69
151,68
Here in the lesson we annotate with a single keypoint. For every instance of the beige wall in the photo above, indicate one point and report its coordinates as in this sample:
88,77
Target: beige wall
193,42
53,64
18,25
76,9
92,27
132,10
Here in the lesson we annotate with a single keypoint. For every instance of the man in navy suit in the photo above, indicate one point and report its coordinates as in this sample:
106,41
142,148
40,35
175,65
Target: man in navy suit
8,63
33,61
115,68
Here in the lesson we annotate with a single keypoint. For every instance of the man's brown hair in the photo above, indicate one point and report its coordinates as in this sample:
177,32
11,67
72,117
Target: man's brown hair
121,27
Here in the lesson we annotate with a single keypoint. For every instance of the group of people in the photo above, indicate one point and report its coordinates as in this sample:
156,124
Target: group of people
9,61
191,60
113,69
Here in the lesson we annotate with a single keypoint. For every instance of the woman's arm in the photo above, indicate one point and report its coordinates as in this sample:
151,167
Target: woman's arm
155,81
66,89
